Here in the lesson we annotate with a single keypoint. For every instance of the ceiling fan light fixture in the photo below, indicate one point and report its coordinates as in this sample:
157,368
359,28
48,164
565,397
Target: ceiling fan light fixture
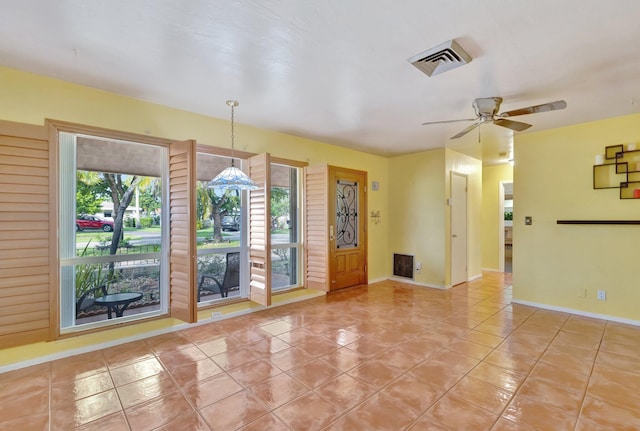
232,178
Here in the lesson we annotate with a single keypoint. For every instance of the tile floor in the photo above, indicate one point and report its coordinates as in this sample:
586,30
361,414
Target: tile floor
385,357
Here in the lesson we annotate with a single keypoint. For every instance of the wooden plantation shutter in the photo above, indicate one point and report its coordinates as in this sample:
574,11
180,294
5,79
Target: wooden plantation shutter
182,255
260,230
26,254
316,227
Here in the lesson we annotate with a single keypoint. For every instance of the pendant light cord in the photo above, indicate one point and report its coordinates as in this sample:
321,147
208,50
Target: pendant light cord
232,134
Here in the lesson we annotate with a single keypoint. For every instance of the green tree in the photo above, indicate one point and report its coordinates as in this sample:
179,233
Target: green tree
222,203
122,189
150,195
279,204
89,193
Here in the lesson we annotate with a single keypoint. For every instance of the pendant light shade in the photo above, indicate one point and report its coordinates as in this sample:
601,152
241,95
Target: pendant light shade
232,178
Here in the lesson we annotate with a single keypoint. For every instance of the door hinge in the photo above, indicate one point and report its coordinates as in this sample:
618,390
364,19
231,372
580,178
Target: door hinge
365,189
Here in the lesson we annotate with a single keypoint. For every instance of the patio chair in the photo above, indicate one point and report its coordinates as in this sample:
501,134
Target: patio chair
87,299
230,280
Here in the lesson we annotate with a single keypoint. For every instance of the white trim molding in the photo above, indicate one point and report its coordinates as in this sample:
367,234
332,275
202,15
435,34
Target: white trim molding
577,312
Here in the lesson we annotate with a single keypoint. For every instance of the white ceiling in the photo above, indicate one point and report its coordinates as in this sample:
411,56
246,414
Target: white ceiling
337,70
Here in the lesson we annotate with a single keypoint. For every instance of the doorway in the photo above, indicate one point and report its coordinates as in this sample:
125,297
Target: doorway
458,228
507,226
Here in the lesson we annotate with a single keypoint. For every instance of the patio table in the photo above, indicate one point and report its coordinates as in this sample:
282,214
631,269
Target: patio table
118,302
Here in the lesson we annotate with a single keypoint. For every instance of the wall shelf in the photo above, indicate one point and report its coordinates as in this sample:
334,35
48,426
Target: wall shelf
620,171
598,222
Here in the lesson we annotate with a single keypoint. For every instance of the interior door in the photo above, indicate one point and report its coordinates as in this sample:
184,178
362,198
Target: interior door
458,228
347,227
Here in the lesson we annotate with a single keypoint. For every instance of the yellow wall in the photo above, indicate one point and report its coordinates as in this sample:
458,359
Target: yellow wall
551,262
420,187
417,213
30,98
492,177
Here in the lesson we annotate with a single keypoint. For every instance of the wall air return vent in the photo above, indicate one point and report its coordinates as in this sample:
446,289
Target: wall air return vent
403,265
443,57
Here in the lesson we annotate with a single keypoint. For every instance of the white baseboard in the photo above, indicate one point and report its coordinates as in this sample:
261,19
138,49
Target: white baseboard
578,312
475,277
491,270
416,283
377,280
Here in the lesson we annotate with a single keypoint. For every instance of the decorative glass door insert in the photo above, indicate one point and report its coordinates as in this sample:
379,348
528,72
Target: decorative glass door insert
346,214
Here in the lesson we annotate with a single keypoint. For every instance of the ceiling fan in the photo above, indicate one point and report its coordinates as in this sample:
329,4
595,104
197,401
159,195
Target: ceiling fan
486,109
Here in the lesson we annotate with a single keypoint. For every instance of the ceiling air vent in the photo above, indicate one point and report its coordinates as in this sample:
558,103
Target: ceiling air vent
443,57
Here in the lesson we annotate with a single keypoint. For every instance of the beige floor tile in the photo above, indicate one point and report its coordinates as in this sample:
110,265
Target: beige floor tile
343,359
470,348
508,380
568,380
113,422
387,356
481,394
278,390
532,413
457,414
69,389
413,394
141,391
205,392
179,358
254,372
195,371
266,423
375,372
309,412
314,373
519,363
157,412
233,412
435,375
136,371
607,415
377,413
85,410
553,394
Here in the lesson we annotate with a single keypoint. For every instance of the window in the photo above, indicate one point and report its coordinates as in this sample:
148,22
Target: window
123,255
285,222
221,240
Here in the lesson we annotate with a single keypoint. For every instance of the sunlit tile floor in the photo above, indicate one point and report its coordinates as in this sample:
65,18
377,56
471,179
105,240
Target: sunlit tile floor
389,356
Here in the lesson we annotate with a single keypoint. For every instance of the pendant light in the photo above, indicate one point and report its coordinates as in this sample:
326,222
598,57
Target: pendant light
232,178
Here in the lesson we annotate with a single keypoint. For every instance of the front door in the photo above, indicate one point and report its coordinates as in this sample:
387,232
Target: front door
347,227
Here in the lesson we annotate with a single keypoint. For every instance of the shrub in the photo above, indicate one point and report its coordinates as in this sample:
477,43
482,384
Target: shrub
146,222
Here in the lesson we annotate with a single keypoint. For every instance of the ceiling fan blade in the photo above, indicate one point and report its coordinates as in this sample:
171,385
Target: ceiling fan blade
510,124
465,131
545,107
448,121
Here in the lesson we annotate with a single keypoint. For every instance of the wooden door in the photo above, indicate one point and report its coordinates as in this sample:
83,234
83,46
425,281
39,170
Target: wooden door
347,227
260,230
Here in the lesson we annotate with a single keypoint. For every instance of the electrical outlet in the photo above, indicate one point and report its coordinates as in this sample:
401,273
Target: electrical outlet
216,315
602,295
418,266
